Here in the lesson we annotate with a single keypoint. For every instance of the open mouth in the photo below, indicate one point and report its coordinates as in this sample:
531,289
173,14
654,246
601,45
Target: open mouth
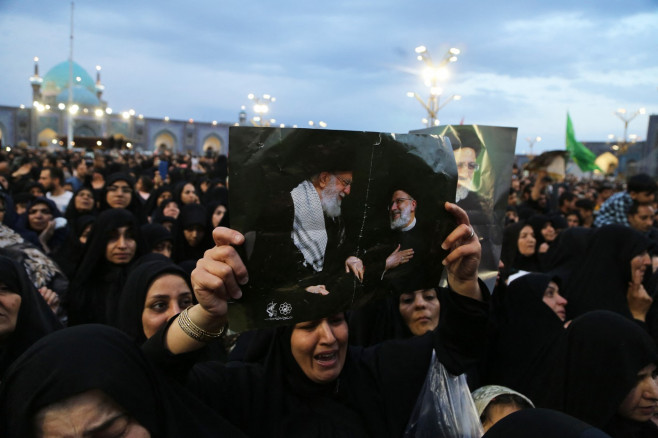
327,359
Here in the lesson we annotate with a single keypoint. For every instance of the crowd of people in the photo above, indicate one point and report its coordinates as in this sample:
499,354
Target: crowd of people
116,271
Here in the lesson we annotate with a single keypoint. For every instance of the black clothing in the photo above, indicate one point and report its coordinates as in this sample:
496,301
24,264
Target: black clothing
596,365
133,295
542,423
603,274
513,260
191,215
135,205
79,359
23,227
95,290
373,395
524,332
34,320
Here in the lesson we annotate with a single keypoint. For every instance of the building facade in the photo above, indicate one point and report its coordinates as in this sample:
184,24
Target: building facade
55,105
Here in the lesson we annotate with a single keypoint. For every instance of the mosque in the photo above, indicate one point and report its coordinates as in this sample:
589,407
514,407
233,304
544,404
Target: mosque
95,125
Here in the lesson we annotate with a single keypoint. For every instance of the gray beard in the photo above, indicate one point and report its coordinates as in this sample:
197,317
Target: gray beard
330,199
403,220
462,193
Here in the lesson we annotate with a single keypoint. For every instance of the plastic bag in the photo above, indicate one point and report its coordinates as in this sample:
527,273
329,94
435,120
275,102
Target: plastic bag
444,407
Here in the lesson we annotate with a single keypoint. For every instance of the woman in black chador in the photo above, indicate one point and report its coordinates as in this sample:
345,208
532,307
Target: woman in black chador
93,381
311,383
110,250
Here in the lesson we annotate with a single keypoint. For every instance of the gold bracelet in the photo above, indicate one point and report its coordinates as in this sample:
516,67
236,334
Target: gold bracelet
194,331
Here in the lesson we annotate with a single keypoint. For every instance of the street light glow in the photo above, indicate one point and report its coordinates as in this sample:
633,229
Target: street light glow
421,49
98,112
455,51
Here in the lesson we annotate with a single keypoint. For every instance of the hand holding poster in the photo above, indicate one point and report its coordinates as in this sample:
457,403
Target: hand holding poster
333,218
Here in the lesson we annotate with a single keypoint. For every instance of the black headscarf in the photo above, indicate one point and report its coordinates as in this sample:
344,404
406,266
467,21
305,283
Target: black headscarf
190,215
152,201
97,284
95,357
70,254
152,235
596,366
601,280
178,191
510,255
570,247
35,319
524,336
135,206
542,423
133,296
32,236
73,213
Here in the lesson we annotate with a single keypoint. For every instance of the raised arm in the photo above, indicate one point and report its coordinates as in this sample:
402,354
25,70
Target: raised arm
216,279
464,258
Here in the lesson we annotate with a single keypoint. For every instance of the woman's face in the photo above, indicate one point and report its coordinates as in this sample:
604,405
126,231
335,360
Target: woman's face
10,304
171,210
85,234
164,195
38,217
119,194
555,301
194,235
218,215
90,414
573,221
420,310
163,248
642,401
548,232
84,200
320,347
167,296
526,242
121,247
188,195
639,264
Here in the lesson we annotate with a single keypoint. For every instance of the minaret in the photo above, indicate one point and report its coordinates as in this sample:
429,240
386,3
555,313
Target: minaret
36,82
99,86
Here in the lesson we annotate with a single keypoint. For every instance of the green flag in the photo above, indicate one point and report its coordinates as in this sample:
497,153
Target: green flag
582,156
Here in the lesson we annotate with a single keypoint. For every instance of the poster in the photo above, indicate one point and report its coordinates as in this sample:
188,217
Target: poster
484,156
329,216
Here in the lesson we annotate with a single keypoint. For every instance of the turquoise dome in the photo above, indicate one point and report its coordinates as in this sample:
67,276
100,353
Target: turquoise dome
81,96
57,79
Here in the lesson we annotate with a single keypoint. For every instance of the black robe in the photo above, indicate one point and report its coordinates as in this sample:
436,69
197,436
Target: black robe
373,395
595,366
78,359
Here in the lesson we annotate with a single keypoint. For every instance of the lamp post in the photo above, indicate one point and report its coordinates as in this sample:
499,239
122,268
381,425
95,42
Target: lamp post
261,108
531,142
432,74
623,145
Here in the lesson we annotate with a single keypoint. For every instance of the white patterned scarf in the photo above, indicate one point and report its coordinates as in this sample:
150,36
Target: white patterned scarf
308,229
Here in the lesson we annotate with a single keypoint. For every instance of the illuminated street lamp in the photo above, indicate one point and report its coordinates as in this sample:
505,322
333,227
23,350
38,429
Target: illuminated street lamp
261,108
319,124
432,75
624,143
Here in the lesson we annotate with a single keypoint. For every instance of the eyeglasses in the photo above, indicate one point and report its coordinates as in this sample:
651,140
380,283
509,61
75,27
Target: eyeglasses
345,182
124,189
399,201
471,166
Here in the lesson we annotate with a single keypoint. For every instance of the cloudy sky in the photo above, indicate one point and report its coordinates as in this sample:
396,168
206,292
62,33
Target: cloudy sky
350,63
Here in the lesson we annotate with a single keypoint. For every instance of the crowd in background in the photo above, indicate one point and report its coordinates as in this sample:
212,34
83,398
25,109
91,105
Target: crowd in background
112,239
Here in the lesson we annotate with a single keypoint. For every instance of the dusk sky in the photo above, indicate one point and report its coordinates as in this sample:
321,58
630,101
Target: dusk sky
350,63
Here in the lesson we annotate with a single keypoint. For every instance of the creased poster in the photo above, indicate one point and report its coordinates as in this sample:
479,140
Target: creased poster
484,156
334,218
